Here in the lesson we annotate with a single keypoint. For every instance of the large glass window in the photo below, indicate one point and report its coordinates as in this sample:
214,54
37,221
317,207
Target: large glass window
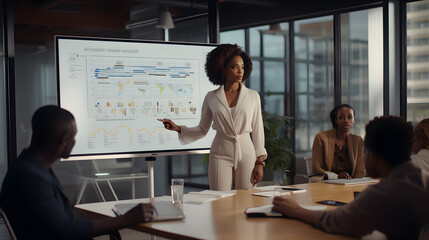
357,37
233,37
417,61
313,79
275,60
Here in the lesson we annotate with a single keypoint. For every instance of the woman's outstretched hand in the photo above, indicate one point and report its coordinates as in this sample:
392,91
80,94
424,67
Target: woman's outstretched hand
170,125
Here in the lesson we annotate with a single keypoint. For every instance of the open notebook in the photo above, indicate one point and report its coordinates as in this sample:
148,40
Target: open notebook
165,210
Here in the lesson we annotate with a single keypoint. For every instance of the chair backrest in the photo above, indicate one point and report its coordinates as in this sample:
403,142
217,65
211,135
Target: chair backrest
9,227
308,165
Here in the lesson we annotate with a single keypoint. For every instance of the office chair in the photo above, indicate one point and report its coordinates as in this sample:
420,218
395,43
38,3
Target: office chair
9,227
90,172
308,165
309,171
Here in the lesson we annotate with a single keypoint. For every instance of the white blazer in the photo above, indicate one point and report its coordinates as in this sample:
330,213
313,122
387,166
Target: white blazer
247,119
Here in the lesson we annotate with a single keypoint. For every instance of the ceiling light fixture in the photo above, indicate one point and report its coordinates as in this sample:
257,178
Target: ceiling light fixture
165,20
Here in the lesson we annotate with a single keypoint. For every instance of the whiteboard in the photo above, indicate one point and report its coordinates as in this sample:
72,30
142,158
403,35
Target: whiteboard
118,88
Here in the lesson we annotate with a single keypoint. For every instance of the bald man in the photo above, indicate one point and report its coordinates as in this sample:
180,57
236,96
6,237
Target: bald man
32,196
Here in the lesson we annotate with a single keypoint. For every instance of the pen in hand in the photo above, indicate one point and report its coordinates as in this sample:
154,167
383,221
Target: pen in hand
116,213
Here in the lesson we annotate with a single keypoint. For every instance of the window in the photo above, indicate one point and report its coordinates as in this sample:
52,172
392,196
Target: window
314,83
233,37
357,78
417,61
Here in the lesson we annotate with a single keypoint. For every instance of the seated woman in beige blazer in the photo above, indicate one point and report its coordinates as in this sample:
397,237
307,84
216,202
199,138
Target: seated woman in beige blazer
337,152
236,160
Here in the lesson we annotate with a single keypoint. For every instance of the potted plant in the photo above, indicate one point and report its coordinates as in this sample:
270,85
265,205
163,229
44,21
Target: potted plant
277,144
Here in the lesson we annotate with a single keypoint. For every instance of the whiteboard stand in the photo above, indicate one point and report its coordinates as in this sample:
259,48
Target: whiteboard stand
150,161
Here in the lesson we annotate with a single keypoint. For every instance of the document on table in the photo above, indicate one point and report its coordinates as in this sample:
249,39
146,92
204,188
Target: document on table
206,196
353,181
268,191
165,210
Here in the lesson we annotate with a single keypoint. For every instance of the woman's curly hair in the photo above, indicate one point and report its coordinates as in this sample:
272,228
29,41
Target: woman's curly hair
218,59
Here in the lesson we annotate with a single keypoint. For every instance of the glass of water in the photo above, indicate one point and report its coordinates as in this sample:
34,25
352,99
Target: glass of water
177,190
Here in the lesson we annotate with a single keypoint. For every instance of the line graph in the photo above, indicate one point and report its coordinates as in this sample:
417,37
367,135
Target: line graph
113,137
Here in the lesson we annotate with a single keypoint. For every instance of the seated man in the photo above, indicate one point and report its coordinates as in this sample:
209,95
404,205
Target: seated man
421,144
32,196
397,206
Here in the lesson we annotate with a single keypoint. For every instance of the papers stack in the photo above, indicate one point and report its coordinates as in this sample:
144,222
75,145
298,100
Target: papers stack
268,191
353,181
206,196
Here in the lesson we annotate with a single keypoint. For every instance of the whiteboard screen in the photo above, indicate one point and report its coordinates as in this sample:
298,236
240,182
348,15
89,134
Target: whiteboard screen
116,89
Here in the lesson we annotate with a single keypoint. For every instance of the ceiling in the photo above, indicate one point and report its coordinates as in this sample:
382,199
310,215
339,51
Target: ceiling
37,21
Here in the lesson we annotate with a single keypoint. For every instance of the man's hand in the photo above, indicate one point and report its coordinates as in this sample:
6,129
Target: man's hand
291,208
143,212
287,206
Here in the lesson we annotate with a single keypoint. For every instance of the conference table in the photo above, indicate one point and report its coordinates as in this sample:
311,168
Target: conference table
225,218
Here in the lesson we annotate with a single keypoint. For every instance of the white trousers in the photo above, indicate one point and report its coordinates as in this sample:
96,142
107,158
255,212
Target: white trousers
223,153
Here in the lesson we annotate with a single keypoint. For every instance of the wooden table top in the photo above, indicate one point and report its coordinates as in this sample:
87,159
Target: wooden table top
225,218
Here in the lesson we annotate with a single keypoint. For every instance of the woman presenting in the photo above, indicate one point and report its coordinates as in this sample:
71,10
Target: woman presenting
337,152
236,160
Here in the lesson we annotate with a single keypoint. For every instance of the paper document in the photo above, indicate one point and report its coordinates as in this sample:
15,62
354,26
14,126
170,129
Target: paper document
206,196
218,194
270,194
285,191
352,181
165,210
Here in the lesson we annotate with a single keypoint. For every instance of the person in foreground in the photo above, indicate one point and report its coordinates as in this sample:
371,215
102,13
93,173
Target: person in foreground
32,197
337,152
397,206
236,160
421,144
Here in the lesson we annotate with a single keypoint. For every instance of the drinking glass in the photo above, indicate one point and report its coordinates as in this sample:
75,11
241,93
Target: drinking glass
177,190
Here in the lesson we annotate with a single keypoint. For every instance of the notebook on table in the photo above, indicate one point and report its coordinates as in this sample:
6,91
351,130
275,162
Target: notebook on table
166,210
353,181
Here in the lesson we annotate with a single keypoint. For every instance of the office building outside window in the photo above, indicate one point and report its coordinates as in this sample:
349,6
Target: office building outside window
361,76
314,83
417,61
361,70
